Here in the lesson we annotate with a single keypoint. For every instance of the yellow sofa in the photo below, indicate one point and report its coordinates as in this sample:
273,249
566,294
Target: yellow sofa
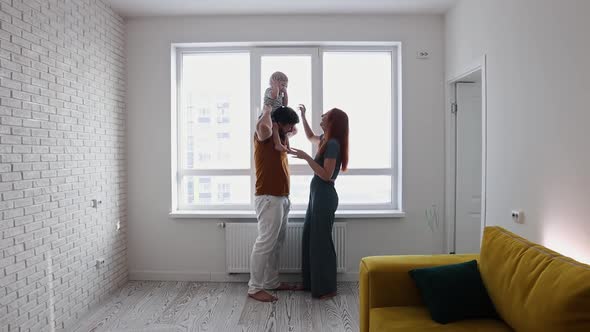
533,289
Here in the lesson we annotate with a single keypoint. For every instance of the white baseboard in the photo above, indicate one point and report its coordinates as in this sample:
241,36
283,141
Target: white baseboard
219,276
348,276
169,275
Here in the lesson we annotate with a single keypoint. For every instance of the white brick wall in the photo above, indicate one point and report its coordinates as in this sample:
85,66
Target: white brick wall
62,144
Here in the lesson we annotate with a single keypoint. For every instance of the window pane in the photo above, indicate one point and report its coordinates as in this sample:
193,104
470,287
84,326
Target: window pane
364,189
298,70
352,189
215,111
215,190
359,83
300,189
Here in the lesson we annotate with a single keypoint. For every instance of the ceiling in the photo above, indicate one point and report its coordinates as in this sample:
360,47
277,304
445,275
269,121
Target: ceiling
138,8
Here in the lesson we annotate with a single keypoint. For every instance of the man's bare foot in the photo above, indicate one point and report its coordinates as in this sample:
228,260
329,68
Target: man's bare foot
263,296
328,296
284,286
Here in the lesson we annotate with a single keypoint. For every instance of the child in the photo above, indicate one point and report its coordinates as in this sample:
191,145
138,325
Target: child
276,96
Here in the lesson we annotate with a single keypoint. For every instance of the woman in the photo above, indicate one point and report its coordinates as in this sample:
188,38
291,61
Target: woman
319,256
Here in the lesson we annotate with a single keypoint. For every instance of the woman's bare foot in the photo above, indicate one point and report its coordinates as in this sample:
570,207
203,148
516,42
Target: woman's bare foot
328,296
263,296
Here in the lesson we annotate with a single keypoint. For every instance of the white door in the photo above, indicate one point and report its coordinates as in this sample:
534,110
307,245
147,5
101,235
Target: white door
468,163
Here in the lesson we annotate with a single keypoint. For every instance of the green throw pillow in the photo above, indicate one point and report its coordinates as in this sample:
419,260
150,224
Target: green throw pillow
454,292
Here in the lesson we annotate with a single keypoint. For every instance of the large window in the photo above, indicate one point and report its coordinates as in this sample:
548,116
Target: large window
219,98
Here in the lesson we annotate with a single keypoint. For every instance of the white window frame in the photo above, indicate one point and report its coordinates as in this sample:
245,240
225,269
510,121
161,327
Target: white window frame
256,50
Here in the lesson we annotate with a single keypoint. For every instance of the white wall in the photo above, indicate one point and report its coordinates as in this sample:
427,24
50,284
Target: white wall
62,135
538,80
161,246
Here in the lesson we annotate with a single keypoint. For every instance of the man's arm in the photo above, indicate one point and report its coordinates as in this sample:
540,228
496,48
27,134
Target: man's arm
264,124
285,98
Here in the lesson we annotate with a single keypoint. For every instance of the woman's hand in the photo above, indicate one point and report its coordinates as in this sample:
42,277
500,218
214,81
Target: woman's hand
311,136
302,110
299,154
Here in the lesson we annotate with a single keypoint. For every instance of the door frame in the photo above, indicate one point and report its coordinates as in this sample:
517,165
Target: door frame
478,64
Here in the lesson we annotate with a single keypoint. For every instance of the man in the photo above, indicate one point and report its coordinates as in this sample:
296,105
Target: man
272,202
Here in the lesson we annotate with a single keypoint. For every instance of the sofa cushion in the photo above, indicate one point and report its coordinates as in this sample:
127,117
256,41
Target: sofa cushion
453,292
417,319
532,287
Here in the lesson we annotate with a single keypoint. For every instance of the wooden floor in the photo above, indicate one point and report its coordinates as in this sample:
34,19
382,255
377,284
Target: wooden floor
219,307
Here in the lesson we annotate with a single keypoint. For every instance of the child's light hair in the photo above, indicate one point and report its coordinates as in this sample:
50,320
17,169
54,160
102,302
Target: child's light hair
278,76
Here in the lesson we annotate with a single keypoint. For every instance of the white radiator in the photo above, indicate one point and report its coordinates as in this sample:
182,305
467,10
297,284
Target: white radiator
240,237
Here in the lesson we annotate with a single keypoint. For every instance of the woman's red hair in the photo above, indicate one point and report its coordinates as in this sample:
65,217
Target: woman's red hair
337,128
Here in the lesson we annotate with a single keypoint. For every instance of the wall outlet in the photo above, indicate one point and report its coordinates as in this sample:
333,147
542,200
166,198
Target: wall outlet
518,216
99,262
422,54
96,203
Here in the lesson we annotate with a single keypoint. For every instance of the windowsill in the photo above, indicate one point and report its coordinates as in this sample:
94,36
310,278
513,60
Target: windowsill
246,214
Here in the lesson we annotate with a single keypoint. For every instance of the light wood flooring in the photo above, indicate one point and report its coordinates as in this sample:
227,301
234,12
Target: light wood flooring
219,307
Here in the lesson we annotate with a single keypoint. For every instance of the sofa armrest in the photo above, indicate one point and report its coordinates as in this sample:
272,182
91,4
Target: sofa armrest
384,281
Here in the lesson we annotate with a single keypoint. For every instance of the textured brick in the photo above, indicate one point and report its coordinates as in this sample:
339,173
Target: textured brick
62,130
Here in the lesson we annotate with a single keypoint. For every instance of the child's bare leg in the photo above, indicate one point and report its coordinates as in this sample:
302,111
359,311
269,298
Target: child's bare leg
277,139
